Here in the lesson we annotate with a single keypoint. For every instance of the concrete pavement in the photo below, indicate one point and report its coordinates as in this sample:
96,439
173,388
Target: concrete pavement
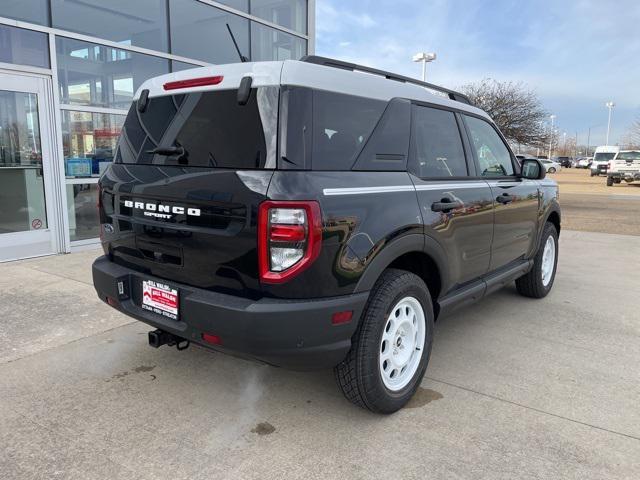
516,388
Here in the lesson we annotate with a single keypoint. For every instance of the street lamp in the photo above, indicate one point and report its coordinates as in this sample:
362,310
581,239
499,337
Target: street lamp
610,106
552,117
424,58
589,138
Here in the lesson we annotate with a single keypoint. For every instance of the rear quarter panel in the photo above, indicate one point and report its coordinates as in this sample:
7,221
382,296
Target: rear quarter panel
356,226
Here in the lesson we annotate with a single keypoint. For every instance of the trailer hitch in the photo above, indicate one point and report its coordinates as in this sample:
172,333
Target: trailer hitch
157,338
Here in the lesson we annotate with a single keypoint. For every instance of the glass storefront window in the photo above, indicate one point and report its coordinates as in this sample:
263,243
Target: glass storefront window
22,201
34,11
179,66
89,141
91,74
242,5
270,44
82,199
24,47
290,14
142,23
200,31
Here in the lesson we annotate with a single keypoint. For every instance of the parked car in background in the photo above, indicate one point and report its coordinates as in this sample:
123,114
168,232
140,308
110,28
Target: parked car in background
564,161
601,159
584,162
551,166
625,166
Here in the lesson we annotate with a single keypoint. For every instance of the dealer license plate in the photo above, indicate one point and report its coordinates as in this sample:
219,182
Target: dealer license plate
160,299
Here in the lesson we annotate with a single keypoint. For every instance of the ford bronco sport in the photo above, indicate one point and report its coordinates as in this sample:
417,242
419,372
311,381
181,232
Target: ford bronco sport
317,214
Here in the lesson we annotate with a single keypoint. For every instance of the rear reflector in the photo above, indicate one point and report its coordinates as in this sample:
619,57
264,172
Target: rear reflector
339,318
212,339
193,82
112,301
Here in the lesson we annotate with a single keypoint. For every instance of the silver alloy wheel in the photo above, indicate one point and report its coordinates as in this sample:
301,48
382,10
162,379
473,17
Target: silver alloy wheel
548,260
402,343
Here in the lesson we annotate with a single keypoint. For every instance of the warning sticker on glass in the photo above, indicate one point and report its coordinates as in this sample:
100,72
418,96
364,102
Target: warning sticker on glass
160,299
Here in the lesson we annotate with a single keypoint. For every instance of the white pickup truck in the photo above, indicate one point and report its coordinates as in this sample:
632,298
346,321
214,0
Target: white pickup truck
624,166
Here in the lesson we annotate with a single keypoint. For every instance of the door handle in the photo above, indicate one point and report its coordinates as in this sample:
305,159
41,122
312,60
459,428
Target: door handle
504,198
446,205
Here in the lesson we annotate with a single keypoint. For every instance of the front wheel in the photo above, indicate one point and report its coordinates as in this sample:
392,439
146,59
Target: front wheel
552,170
538,281
609,181
391,348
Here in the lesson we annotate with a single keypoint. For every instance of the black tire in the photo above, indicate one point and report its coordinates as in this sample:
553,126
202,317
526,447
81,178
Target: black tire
617,180
531,284
358,375
609,181
591,174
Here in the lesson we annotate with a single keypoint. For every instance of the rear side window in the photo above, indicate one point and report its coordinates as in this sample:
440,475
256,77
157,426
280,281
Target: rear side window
206,129
436,144
341,125
494,159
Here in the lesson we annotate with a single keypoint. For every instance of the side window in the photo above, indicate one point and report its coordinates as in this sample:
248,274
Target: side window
341,126
436,145
494,159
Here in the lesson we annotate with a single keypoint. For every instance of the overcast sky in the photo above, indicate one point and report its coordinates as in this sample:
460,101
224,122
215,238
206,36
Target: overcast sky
576,54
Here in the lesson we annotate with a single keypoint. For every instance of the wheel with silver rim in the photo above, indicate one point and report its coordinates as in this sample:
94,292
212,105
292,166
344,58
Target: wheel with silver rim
390,349
402,344
537,283
548,260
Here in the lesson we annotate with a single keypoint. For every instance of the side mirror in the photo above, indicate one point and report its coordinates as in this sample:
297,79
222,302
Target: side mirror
533,169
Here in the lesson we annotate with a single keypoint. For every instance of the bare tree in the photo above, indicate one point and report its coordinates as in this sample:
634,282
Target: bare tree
632,137
516,110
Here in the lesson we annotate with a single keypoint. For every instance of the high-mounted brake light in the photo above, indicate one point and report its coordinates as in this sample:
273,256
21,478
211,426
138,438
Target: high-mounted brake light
289,238
193,82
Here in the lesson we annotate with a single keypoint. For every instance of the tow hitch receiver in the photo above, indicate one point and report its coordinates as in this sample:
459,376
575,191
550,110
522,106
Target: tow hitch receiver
157,338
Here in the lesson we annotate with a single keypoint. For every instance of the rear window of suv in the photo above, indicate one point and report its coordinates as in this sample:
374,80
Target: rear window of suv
209,129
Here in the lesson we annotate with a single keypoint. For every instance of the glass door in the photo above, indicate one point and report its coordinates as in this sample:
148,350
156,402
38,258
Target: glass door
27,209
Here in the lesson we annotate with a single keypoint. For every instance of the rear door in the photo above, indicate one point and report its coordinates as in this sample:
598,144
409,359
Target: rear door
181,199
516,200
457,209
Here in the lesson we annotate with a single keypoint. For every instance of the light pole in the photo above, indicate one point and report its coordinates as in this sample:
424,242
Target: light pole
424,58
610,106
552,117
589,138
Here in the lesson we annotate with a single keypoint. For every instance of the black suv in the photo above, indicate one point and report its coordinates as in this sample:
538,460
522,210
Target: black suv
309,215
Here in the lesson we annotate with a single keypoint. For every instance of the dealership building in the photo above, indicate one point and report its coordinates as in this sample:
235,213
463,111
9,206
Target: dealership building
68,72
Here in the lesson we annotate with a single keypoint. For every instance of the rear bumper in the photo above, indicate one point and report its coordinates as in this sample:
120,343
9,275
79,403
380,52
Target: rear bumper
295,334
629,176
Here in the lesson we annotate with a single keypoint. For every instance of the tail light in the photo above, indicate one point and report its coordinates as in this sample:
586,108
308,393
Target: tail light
289,238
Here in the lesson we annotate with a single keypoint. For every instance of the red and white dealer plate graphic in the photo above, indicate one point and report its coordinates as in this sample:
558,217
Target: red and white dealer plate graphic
160,299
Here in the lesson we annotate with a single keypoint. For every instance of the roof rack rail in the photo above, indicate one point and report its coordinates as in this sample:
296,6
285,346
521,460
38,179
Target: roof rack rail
331,62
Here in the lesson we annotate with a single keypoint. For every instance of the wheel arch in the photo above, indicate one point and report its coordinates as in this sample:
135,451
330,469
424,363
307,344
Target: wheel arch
415,253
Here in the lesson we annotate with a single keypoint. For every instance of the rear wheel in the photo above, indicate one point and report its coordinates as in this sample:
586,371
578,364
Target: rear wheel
538,281
609,181
391,348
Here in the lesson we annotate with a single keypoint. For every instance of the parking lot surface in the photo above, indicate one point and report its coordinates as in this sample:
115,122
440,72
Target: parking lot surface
516,388
589,205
